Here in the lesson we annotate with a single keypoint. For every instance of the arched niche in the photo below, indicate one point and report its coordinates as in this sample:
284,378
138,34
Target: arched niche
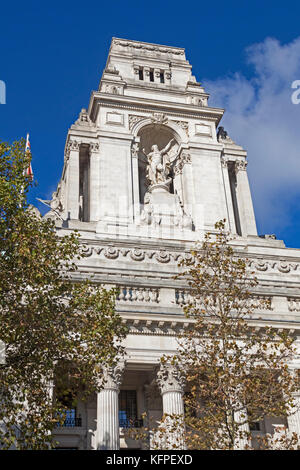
149,135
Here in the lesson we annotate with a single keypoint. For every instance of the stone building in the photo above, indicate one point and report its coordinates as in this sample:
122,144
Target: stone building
147,171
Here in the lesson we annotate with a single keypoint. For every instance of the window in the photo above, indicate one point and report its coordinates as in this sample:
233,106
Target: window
141,74
254,426
162,78
151,75
128,409
84,183
70,413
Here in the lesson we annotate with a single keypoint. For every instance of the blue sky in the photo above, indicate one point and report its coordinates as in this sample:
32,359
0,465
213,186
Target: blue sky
52,57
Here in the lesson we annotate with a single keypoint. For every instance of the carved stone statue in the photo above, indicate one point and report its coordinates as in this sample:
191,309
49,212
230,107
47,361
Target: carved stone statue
159,164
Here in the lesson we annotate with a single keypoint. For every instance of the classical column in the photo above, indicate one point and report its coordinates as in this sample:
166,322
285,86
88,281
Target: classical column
73,179
244,200
293,418
240,418
228,197
94,181
107,433
171,382
135,180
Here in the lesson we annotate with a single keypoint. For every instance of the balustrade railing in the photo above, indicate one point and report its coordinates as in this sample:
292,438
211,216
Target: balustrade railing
138,294
130,423
70,423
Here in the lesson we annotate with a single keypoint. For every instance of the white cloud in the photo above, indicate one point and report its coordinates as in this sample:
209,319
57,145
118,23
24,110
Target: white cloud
261,117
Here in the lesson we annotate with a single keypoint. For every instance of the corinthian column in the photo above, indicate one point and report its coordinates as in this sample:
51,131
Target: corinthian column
171,382
244,200
228,197
294,418
107,433
95,176
73,179
242,440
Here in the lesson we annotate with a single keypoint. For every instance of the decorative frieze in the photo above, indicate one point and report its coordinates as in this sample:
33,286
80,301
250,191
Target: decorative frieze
133,119
265,265
165,256
148,47
184,126
159,118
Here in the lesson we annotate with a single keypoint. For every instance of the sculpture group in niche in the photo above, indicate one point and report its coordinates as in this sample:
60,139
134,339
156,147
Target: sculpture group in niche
159,163
160,206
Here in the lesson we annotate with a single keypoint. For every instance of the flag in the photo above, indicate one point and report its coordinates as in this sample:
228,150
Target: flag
29,172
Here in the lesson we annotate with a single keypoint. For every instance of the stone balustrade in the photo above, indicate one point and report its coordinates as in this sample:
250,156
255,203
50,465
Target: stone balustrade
293,304
258,302
139,294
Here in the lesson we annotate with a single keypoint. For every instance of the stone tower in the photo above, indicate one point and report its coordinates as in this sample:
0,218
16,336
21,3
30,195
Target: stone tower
147,171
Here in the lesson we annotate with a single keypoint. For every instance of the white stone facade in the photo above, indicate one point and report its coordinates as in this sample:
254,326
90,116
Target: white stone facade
135,230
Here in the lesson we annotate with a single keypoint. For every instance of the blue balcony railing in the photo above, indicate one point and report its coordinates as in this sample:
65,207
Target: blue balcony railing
130,423
71,420
72,423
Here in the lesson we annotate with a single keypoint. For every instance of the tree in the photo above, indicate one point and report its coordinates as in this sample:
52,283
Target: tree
236,373
48,323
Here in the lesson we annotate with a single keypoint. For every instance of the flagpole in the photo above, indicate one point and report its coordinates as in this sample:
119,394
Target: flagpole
28,172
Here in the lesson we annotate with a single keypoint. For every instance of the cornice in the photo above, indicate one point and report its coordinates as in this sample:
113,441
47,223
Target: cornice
176,327
148,105
147,46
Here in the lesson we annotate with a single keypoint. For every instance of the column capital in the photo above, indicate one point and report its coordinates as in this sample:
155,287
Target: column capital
170,379
135,150
224,162
240,165
112,376
73,144
94,147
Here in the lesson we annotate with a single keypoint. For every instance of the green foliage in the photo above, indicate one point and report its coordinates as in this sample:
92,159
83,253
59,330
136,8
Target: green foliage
48,323
236,373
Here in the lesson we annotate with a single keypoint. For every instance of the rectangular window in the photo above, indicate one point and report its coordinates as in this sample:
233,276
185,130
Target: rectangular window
162,77
254,426
151,75
128,409
70,413
141,74
84,183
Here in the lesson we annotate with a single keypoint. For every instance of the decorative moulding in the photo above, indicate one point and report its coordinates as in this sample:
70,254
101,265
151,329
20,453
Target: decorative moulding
116,119
202,129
